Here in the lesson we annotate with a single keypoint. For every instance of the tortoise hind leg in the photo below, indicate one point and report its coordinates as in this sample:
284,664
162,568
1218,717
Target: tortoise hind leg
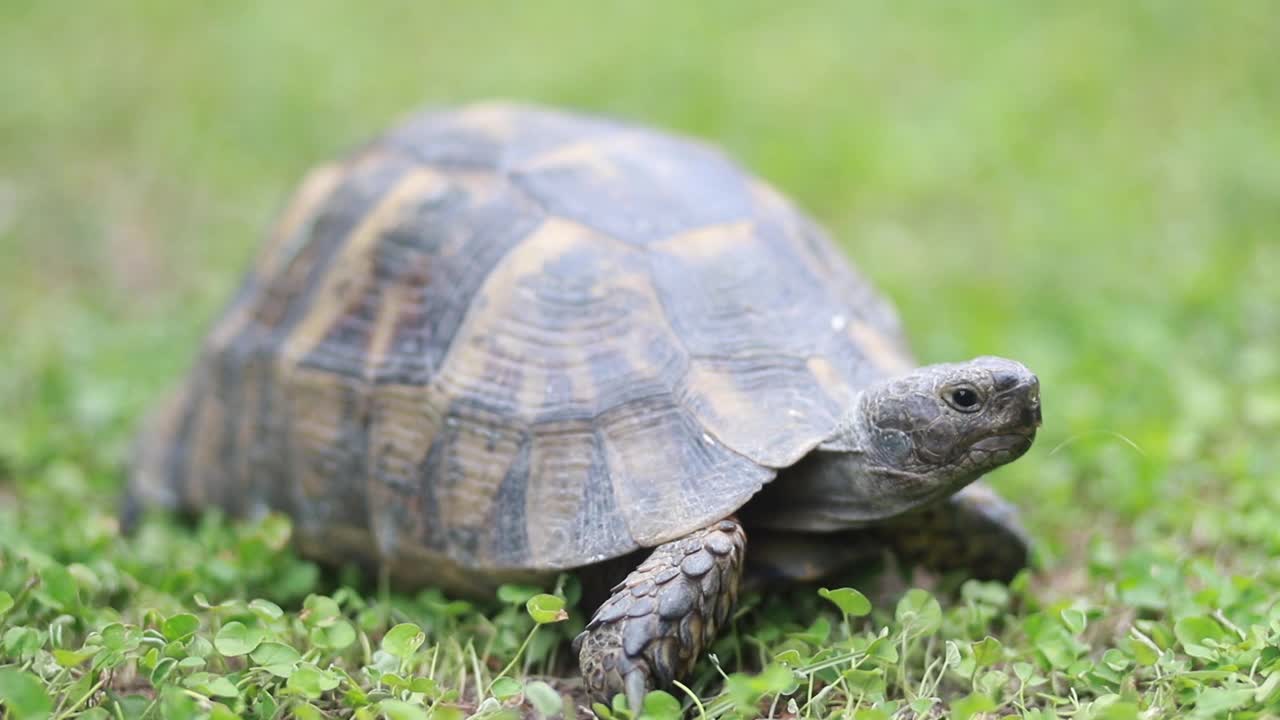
660,619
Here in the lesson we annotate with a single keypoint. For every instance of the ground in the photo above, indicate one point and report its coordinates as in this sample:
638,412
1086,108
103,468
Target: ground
1088,187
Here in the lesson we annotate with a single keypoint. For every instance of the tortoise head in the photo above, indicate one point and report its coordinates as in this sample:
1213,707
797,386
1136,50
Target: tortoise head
926,434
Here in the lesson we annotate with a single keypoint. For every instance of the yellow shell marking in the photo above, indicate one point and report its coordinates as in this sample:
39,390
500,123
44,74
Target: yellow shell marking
352,270
884,353
285,238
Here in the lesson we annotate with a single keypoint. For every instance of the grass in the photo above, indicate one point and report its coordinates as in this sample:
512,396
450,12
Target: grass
1087,187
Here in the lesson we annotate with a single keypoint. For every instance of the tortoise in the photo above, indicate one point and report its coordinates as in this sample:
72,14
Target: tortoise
501,341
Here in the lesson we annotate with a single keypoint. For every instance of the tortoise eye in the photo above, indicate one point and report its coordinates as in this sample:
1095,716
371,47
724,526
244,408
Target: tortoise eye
964,399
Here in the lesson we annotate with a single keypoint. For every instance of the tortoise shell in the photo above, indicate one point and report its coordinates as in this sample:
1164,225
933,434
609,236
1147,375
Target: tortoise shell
501,337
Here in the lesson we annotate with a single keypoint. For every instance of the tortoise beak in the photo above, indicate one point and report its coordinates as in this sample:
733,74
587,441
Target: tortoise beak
1027,396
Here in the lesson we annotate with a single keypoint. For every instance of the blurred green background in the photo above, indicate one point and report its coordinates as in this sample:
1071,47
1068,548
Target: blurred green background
1090,187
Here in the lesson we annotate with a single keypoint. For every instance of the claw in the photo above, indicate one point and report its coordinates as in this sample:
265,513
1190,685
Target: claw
637,687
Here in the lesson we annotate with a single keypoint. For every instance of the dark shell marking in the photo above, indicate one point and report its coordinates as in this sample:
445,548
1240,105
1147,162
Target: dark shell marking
500,338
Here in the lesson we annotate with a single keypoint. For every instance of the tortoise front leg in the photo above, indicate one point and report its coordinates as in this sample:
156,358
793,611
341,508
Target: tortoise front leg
974,531
661,618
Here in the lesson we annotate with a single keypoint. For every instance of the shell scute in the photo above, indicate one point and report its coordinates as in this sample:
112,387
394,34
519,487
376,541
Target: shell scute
636,185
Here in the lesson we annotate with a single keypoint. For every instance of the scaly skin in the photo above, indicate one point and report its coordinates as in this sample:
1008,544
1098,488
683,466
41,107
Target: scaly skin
658,621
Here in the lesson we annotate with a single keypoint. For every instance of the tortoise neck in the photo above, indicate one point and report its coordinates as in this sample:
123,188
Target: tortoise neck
829,490
834,487
845,483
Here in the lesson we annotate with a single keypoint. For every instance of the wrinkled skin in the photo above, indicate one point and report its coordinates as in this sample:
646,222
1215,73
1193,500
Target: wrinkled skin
906,444
946,422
